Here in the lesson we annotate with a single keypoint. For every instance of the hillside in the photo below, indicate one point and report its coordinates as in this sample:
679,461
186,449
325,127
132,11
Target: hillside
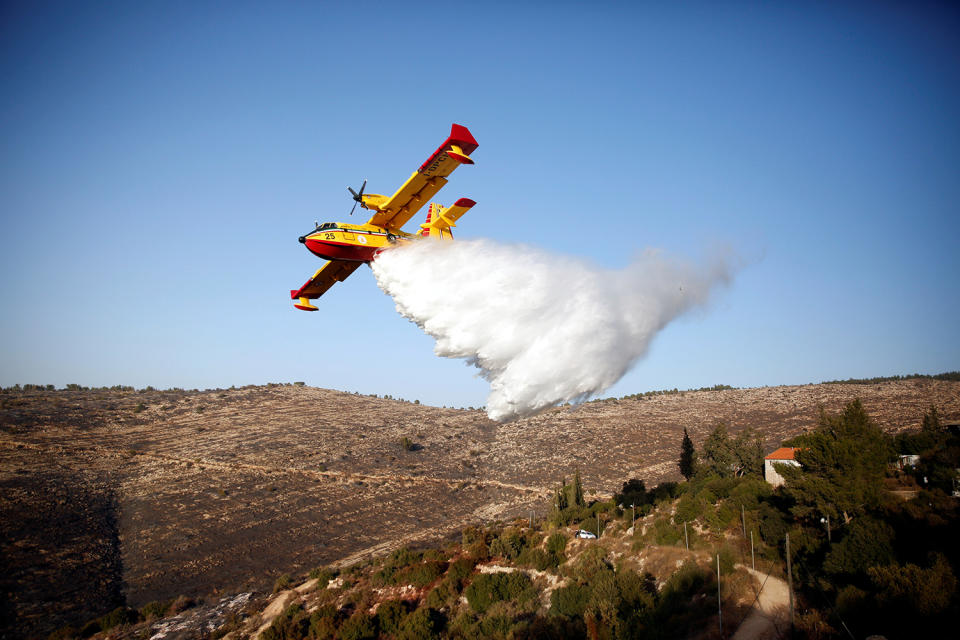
143,495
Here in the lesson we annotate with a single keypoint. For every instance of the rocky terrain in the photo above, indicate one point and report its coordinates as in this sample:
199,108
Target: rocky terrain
133,496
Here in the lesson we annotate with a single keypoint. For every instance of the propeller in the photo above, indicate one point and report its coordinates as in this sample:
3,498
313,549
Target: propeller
358,197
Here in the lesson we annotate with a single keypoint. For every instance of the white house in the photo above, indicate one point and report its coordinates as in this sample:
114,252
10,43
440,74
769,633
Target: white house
783,455
909,460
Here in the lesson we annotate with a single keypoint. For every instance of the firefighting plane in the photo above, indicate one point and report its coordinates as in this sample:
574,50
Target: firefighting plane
347,246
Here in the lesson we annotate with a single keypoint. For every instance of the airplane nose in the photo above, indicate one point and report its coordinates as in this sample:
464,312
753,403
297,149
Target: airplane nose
303,239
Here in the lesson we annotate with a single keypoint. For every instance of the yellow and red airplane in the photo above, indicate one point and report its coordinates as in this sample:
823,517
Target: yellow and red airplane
347,246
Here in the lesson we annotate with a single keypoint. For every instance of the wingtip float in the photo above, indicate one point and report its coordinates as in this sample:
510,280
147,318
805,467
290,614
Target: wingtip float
347,246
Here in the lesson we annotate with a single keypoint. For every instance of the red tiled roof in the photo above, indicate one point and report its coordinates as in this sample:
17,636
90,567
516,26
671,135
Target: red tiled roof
783,453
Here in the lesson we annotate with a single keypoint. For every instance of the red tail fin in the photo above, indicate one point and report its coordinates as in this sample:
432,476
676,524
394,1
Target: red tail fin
425,231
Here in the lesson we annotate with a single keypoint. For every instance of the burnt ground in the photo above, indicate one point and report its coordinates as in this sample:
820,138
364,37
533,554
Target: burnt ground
113,496
59,536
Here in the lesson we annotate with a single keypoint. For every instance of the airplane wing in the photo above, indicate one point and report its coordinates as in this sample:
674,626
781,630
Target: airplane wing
326,276
426,181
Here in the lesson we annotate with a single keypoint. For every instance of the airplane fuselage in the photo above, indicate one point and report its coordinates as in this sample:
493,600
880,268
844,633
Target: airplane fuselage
353,242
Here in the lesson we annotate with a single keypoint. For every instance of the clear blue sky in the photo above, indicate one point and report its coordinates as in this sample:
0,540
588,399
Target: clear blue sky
160,159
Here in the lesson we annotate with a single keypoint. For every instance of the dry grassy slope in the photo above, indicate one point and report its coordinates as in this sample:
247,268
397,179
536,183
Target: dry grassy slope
614,439
224,489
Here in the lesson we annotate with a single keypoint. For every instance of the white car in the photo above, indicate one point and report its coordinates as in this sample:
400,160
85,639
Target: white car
583,533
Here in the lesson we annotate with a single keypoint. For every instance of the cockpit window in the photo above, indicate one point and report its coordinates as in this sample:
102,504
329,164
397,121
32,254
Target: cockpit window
327,225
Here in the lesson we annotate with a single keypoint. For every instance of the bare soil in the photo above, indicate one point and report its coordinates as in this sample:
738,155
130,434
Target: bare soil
112,496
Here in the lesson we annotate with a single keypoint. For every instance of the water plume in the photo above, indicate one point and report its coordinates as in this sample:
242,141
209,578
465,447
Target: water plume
543,329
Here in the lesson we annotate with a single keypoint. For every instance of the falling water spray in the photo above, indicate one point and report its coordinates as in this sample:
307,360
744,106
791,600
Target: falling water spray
542,329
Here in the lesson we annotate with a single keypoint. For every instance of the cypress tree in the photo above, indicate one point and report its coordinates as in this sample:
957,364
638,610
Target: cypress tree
686,462
578,490
931,421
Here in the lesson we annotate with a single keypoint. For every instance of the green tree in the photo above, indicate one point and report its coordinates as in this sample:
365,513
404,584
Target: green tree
423,624
931,421
914,589
687,456
842,466
867,543
633,492
359,626
718,452
576,493
748,451
561,497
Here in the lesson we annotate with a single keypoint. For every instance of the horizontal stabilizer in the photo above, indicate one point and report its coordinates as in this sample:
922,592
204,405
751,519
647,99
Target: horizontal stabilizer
447,218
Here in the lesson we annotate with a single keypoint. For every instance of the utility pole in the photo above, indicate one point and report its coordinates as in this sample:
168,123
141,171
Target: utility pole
685,536
743,521
598,525
753,560
790,583
829,540
633,518
531,518
719,602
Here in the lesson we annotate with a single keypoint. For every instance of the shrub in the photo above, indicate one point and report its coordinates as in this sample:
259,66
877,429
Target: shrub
470,535
403,557
911,588
686,580
500,622
727,559
420,575
292,624
556,544
440,595
507,546
479,552
666,533
153,610
323,576
688,509
570,601
390,616
359,626
500,550
773,525
488,588
538,559
633,492
282,583
423,624
636,592
852,601
591,563
323,623
721,517
868,543
460,569
120,615
749,492
63,633
406,444
663,491
395,565
181,603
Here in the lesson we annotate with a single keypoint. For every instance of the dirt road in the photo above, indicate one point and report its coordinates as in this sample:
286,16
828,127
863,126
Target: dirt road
769,618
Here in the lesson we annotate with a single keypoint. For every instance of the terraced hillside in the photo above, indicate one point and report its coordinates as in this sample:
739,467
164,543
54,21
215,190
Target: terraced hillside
108,496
